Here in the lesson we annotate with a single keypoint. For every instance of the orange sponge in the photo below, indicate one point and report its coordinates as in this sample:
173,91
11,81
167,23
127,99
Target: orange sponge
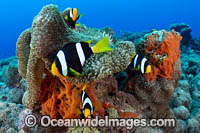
62,99
163,49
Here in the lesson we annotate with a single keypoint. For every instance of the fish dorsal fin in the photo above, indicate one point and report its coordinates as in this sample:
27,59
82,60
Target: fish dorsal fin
74,72
84,87
102,46
88,42
132,57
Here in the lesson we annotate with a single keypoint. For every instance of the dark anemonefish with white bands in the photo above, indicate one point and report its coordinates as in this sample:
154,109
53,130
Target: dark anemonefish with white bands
140,63
72,17
70,59
87,109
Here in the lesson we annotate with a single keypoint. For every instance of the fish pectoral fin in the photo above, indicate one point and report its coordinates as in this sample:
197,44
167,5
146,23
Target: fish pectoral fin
78,24
102,46
138,67
74,72
66,18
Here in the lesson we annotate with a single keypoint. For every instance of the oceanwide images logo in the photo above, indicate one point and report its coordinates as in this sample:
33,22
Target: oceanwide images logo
46,121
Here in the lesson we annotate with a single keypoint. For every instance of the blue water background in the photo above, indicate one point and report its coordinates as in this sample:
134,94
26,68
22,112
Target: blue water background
120,15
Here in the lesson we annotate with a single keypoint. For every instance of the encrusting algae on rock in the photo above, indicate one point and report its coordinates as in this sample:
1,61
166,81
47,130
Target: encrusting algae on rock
139,97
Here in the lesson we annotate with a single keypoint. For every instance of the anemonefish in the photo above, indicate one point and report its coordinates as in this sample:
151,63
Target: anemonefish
87,109
71,58
140,63
72,17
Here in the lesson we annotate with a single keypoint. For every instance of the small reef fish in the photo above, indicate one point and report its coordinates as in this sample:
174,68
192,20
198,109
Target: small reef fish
140,63
71,17
87,109
71,58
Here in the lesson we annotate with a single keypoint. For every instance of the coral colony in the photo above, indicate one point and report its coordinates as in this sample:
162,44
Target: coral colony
130,80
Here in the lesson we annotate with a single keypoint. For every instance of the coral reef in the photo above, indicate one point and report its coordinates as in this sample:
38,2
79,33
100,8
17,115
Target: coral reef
4,63
138,97
155,94
13,95
49,33
10,71
185,100
12,87
60,98
184,30
115,91
8,116
129,36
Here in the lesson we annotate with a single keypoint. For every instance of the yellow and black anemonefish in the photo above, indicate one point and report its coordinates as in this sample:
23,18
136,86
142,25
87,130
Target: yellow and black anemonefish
71,17
70,59
87,109
140,63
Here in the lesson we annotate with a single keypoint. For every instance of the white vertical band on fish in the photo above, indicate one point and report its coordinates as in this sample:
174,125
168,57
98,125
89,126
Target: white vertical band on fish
142,64
61,57
135,61
80,53
87,100
83,95
71,13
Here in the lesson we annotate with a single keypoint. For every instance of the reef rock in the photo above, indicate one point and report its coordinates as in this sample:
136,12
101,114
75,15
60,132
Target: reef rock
9,72
185,31
187,93
8,116
187,41
181,97
193,126
182,112
153,91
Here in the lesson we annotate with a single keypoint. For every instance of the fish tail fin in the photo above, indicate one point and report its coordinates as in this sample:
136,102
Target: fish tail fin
148,69
102,46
